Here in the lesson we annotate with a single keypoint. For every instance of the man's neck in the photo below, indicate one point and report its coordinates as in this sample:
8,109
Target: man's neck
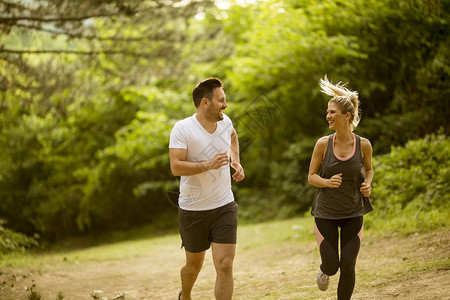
209,126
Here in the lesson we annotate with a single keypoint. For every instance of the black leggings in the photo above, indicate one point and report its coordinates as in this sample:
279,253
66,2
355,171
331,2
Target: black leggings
350,243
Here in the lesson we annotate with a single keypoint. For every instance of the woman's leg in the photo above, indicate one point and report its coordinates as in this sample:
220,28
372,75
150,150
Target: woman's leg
327,240
351,232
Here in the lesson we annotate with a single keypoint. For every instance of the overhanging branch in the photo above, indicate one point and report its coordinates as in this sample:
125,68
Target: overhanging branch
82,36
77,52
55,19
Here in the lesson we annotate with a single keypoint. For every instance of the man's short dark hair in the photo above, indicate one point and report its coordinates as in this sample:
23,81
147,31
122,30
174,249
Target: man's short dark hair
204,89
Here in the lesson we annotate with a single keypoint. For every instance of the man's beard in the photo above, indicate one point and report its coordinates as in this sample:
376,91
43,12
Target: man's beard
215,116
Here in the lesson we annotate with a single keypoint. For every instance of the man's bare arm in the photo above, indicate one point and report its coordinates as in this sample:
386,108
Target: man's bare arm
181,167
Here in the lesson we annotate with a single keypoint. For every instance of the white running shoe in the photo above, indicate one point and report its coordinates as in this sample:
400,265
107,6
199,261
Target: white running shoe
322,280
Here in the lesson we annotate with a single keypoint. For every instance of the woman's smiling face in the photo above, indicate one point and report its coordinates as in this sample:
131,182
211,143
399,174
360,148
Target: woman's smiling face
335,117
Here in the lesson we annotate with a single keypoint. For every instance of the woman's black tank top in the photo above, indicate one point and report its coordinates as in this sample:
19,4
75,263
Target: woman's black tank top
346,201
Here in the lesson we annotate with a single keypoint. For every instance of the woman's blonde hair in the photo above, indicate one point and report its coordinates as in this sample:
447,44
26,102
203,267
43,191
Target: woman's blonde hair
346,99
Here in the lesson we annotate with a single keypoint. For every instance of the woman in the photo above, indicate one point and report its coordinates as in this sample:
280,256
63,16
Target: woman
341,169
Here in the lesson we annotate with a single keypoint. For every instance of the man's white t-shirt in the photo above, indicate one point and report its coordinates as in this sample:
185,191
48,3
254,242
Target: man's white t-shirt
210,189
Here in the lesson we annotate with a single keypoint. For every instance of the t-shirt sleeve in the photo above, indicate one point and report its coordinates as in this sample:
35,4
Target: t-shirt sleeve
178,137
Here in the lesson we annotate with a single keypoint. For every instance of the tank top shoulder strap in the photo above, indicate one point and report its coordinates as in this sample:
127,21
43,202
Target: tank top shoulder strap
329,151
358,146
330,142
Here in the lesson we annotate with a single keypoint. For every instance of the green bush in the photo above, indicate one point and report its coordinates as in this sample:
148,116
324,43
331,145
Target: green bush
410,186
14,241
286,192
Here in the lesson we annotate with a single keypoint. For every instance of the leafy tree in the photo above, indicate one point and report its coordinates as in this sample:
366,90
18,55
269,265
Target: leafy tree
387,50
89,91
66,69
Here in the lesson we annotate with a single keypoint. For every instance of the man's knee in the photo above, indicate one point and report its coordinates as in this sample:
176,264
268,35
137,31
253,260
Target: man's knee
193,267
225,264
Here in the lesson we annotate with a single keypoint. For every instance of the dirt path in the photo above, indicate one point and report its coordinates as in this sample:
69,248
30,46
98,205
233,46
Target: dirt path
414,267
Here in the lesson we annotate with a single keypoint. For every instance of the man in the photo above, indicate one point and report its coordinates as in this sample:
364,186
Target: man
200,150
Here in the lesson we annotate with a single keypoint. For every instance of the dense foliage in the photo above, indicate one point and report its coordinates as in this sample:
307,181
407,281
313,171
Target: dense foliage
14,241
411,186
89,94
384,49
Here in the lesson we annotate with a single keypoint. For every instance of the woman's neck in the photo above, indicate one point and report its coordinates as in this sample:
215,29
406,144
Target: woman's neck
344,135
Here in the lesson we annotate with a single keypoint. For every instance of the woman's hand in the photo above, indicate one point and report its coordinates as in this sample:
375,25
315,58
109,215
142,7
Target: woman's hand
366,189
335,181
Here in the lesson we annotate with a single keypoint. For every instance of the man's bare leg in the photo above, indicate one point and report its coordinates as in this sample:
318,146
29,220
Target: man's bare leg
189,272
223,257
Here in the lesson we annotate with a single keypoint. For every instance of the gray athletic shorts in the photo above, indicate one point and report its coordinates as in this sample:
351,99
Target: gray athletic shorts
199,228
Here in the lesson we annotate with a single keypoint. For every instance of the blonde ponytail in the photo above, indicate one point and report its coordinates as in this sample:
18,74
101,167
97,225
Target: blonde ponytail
346,99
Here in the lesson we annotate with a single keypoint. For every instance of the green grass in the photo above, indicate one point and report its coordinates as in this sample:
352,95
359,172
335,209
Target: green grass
251,237
114,251
409,222
281,254
279,231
